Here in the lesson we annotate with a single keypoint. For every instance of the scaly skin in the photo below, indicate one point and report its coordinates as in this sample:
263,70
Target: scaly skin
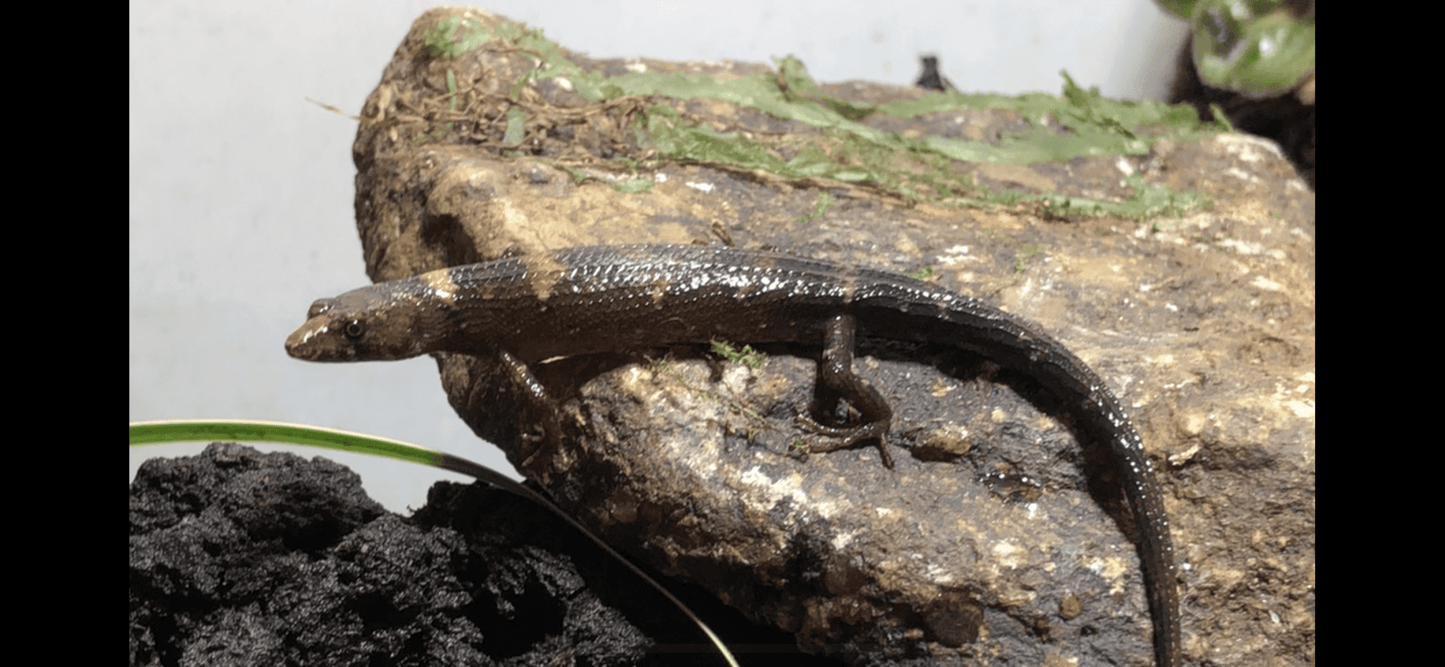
614,298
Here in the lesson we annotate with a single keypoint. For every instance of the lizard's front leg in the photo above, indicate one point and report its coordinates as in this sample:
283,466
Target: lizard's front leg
538,403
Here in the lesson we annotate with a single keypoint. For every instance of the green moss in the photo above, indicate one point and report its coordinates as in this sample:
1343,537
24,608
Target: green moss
747,356
820,206
454,36
846,151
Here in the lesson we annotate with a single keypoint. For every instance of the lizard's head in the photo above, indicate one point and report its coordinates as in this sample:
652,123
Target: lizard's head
376,323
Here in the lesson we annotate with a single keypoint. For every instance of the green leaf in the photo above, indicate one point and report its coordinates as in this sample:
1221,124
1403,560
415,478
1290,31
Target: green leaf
1253,47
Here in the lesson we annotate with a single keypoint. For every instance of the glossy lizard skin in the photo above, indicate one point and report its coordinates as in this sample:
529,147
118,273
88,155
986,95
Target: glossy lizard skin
612,298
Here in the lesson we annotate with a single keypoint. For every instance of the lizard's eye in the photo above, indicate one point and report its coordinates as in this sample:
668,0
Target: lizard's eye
353,329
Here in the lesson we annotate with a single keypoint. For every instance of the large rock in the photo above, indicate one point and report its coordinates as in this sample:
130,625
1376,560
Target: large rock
1176,260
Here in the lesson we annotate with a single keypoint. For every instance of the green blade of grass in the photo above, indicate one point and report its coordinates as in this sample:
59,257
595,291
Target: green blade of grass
187,430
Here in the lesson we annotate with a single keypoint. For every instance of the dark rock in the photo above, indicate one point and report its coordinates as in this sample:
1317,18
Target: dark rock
244,558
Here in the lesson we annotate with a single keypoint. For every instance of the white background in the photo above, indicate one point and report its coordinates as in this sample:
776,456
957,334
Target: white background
241,192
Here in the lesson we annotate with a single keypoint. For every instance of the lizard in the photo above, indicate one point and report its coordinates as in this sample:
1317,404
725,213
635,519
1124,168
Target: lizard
593,299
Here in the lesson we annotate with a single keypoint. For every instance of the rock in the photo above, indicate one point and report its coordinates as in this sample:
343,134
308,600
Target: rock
244,558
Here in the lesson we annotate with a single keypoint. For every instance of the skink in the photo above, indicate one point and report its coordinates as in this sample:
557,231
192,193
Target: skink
614,298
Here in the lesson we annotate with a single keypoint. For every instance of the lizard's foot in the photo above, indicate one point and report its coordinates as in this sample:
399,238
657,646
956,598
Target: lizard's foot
835,438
